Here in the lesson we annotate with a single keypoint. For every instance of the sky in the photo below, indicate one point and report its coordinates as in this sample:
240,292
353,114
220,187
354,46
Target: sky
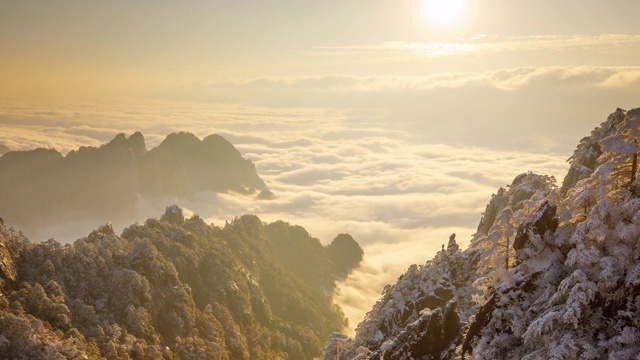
393,121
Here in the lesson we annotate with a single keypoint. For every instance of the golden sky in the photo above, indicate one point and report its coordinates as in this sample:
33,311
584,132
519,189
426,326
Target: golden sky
481,62
391,120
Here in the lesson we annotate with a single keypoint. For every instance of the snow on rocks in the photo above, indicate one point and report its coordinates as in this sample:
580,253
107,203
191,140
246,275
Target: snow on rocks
550,274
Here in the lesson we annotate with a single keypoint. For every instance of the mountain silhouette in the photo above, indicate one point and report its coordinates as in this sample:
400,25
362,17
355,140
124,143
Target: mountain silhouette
42,186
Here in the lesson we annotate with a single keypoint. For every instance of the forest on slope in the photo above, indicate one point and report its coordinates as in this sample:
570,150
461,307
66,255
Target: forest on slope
552,273
172,288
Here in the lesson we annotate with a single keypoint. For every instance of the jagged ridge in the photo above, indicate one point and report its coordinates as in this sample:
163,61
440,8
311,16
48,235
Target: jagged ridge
42,186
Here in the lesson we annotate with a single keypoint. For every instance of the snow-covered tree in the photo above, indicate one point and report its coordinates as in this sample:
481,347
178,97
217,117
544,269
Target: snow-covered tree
621,147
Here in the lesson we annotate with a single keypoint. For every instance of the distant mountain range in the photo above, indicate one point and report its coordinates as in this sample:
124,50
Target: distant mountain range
173,288
552,273
42,186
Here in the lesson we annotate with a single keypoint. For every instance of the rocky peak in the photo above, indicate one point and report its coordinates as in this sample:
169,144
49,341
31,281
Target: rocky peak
179,140
345,252
134,143
525,189
217,143
453,245
137,144
585,157
173,214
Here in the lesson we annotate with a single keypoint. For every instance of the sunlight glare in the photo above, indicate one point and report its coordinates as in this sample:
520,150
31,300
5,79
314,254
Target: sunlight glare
444,12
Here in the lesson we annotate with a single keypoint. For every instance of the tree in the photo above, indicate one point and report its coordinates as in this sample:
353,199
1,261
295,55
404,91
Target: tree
622,146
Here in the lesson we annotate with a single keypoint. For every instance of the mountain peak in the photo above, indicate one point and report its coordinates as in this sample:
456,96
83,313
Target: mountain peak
345,252
179,139
42,186
453,245
135,143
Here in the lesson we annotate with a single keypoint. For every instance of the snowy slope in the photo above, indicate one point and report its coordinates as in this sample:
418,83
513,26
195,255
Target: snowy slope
172,288
550,274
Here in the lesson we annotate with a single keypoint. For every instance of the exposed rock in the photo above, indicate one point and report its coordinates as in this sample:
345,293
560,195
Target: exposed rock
426,338
452,246
173,215
543,221
585,158
481,320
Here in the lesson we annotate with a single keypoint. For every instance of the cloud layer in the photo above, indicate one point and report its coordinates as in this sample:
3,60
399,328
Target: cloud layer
482,45
525,108
503,79
398,198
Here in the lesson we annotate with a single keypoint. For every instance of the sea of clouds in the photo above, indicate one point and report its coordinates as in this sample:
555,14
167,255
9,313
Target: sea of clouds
332,171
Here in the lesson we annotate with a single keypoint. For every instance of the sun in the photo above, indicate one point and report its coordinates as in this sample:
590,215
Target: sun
444,12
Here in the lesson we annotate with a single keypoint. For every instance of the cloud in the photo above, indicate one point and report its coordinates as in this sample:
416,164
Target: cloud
503,79
528,108
622,79
481,45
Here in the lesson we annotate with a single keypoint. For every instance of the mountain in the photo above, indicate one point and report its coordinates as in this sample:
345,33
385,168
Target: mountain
552,273
42,186
171,288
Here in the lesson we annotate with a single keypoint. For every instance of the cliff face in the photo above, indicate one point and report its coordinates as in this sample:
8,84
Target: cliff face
41,186
172,288
551,273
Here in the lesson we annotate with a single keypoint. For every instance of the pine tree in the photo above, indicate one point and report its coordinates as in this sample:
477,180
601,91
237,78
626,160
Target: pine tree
622,147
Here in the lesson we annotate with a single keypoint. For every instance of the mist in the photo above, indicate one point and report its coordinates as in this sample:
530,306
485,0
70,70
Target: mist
399,198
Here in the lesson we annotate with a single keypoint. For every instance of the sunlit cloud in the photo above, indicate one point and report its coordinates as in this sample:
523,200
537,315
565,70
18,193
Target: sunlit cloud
622,79
483,45
399,199
503,79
